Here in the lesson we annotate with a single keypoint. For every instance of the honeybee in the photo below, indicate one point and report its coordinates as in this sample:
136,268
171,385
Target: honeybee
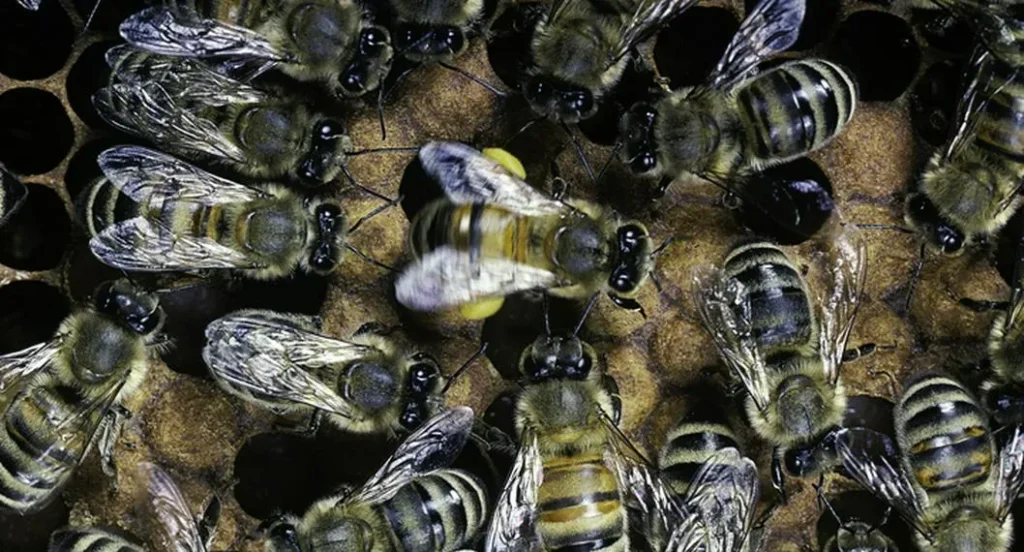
494,235
575,473
368,383
971,187
580,50
12,194
154,213
61,396
711,480
414,503
947,480
783,344
331,42
997,25
439,30
854,534
192,110
741,120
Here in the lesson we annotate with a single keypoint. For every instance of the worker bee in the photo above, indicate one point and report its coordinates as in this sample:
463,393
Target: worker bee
439,30
63,395
711,480
414,503
331,42
368,383
742,120
854,534
192,110
782,346
581,48
971,187
12,194
154,213
575,473
494,235
947,479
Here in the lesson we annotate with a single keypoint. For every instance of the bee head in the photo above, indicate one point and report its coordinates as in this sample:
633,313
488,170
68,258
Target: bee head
423,381
636,132
857,536
138,310
322,162
373,56
282,537
551,357
330,238
558,99
938,232
811,458
632,261
420,42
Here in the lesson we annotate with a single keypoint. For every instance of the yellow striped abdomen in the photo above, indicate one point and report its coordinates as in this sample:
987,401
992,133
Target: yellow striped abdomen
579,505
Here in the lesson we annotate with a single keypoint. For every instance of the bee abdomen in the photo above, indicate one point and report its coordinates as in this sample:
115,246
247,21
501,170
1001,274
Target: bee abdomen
103,205
780,311
797,108
1001,124
944,434
439,512
688,446
579,506
89,540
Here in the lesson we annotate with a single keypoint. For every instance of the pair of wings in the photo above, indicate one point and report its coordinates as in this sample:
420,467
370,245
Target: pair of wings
447,276
725,310
275,355
514,522
157,97
719,505
140,244
871,459
184,531
12,194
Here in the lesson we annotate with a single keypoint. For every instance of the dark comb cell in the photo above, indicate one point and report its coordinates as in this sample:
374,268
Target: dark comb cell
934,100
189,310
32,532
508,50
417,188
300,293
881,51
689,47
104,15
35,237
819,18
788,202
30,312
83,168
34,45
35,132
89,73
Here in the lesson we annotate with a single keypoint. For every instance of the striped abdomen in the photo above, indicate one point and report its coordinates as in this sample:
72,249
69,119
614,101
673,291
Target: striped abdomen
579,506
691,442
440,512
88,539
780,310
944,434
1000,124
795,108
483,230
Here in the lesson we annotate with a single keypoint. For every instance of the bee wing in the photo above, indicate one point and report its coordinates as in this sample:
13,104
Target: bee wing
727,317
514,524
771,27
872,460
172,509
996,24
691,535
16,366
433,446
267,353
12,194
1011,473
161,31
136,244
724,493
982,85
447,277
468,176
648,17
142,172
148,110
30,4
838,309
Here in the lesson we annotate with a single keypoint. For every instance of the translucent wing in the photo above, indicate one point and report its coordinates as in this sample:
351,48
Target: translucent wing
12,194
171,508
270,354
513,525
724,492
982,84
141,173
871,459
691,535
648,17
467,176
433,446
136,244
17,366
447,277
148,110
726,314
160,31
996,24
837,310
30,4
771,27
1011,473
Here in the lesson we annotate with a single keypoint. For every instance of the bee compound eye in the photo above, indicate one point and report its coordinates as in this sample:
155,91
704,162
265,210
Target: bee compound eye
948,238
577,101
413,416
372,41
103,298
643,162
453,39
421,378
354,80
330,130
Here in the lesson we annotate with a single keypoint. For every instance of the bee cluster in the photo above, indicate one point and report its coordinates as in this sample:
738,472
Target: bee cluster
490,275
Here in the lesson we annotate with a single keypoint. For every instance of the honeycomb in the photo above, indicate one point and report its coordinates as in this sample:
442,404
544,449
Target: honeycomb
907,65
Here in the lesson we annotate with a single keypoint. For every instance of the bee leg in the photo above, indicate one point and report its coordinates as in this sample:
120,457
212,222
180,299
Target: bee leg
612,387
863,350
559,186
113,422
778,477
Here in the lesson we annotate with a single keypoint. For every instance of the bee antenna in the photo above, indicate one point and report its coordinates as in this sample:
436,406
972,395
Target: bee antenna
380,112
615,152
547,317
664,245
895,227
523,129
824,500
91,15
586,313
460,71
376,211
579,151
915,277
368,258
465,365
355,183
657,282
